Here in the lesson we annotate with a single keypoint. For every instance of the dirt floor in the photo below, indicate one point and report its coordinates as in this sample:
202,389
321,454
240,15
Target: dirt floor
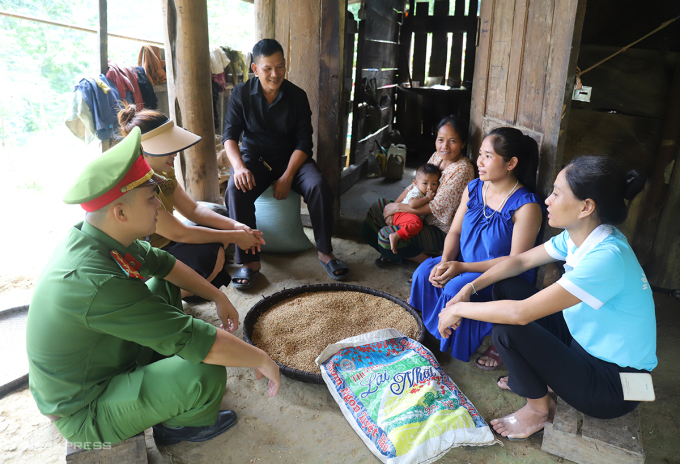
303,424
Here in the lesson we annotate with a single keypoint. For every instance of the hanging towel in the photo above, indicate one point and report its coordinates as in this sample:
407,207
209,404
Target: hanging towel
150,59
218,60
79,117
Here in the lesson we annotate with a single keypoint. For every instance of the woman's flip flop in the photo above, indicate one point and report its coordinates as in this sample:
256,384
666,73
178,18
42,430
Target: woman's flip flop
493,354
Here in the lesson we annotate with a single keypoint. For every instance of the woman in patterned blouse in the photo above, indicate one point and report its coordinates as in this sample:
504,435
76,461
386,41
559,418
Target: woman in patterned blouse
457,172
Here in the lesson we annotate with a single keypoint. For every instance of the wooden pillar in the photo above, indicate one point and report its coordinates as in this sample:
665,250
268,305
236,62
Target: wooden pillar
187,60
103,53
103,36
265,14
330,138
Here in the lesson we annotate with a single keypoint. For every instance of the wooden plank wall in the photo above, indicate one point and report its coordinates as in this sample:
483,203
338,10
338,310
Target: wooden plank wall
376,76
525,74
420,110
419,24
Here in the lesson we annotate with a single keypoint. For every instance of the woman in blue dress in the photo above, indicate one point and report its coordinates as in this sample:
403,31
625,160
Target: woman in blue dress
498,216
580,333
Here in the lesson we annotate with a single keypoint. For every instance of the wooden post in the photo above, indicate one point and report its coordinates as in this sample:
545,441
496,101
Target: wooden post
187,60
103,36
358,90
265,14
330,138
103,52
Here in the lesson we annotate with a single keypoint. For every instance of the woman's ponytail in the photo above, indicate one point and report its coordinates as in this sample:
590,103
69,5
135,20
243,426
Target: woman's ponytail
146,120
603,180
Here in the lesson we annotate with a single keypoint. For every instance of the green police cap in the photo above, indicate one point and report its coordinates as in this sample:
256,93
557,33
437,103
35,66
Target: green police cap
107,178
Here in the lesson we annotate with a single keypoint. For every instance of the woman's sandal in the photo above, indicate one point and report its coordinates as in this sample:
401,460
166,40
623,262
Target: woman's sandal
493,354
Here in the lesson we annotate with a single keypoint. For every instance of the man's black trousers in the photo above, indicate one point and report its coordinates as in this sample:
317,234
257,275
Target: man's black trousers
308,182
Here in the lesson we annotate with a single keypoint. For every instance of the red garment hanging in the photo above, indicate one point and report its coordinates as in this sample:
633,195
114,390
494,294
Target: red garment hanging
125,78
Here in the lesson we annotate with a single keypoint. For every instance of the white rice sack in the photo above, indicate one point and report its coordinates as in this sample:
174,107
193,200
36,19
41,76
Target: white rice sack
398,399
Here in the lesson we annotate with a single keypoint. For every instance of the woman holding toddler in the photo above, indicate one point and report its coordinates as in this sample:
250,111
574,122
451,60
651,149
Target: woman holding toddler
456,171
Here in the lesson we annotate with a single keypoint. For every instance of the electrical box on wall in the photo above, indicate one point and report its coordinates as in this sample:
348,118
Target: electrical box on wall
582,94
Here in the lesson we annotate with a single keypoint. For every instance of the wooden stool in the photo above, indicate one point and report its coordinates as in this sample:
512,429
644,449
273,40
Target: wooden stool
130,451
586,440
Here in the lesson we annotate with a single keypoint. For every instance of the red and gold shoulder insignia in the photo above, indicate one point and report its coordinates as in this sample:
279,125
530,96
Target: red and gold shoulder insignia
129,265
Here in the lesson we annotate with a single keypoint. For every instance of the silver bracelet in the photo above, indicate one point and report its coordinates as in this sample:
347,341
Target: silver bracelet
474,291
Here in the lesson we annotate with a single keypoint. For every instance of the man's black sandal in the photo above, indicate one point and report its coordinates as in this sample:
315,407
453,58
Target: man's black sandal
171,436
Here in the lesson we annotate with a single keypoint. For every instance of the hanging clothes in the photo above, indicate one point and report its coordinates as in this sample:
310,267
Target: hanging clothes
125,79
237,63
146,88
102,85
150,59
79,118
218,60
112,88
103,107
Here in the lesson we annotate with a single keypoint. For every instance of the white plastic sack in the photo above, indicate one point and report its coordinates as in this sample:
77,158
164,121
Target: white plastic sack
398,399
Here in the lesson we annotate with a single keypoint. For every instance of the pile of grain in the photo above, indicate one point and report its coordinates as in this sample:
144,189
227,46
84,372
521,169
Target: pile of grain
295,331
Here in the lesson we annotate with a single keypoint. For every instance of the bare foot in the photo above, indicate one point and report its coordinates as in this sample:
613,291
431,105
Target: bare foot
526,421
487,361
394,239
503,383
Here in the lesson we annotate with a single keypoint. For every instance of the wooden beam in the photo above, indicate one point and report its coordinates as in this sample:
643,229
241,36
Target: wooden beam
456,63
420,43
559,87
479,88
103,53
265,14
439,42
190,92
75,28
358,92
426,23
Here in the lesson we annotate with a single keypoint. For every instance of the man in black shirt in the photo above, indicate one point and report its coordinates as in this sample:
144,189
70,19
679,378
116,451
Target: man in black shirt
275,119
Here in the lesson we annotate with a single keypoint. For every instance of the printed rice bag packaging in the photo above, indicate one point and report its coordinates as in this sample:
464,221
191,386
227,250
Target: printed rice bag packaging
398,399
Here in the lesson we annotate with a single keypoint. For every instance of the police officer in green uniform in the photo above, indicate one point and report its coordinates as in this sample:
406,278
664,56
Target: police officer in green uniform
110,349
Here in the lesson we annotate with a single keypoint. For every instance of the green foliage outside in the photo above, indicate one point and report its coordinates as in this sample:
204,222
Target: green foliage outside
40,64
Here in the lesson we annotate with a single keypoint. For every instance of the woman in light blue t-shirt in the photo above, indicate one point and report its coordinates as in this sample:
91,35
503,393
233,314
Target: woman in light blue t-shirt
578,334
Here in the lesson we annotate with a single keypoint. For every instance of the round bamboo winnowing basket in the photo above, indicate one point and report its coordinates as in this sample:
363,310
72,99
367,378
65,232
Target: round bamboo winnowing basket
266,303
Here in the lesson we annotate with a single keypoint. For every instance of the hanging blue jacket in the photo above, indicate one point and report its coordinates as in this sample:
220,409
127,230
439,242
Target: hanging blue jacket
103,106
